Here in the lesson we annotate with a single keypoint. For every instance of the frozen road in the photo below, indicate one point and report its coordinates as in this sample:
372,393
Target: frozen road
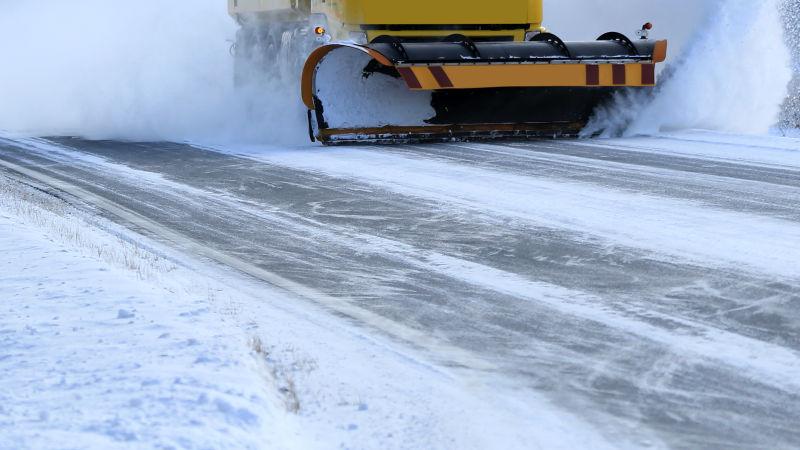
650,286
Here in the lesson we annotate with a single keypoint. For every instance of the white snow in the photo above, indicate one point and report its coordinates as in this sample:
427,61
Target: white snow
788,132
142,70
351,100
687,230
733,76
111,340
760,150
92,357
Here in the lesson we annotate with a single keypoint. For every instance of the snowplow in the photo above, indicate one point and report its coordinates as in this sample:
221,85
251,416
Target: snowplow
418,70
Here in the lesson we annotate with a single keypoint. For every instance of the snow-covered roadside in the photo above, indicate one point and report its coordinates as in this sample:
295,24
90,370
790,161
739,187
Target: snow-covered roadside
93,356
109,339
786,132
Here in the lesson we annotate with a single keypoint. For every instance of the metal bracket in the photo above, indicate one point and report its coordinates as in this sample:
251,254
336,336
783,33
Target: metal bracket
620,39
466,42
396,44
553,40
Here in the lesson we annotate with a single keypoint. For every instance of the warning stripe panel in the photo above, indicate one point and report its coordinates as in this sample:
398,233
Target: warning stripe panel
606,78
592,75
411,80
633,75
618,74
441,77
648,74
527,75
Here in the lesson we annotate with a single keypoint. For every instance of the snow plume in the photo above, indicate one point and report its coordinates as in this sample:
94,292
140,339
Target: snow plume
791,107
732,77
136,70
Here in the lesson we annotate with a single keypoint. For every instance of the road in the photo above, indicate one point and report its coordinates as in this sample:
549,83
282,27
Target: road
650,286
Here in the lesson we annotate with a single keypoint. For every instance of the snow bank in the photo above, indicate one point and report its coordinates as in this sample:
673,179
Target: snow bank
93,357
732,77
141,70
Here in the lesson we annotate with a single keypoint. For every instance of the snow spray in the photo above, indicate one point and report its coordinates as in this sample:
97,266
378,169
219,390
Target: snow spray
133,70
790,11
733,76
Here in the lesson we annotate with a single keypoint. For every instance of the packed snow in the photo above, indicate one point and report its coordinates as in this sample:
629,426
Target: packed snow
353,100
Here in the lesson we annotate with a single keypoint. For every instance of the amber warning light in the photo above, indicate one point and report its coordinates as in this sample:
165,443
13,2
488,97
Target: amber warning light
645,31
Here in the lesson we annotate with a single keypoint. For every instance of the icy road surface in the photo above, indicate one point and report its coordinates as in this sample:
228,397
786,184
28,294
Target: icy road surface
649,286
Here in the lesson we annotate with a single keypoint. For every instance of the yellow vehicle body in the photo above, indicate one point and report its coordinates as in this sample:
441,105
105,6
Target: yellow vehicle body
441,12
523,15
506,18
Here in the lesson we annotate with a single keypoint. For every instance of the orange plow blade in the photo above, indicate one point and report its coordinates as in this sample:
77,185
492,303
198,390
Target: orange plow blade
462,90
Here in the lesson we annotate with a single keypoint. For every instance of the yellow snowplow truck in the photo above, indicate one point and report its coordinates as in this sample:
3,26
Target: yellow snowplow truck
421,70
